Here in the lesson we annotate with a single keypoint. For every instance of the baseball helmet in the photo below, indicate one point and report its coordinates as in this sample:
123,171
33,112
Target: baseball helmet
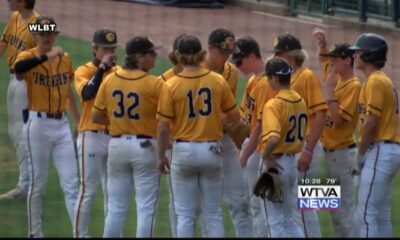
374,47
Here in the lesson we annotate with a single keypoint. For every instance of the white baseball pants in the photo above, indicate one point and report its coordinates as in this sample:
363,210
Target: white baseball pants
281,218
171,207
196,172
309,219
17,100
338,166
235,190
49,138
132,164
373,213
251,173
92,157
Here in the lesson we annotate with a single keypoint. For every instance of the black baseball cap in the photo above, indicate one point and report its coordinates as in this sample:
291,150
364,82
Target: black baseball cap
286,42
140,45
105,38
245,45
189,44
277,66
46,20
339,50
223,39
175,45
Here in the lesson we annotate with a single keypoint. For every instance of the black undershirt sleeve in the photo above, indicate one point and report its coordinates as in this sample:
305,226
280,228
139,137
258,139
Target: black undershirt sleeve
89,91
27,64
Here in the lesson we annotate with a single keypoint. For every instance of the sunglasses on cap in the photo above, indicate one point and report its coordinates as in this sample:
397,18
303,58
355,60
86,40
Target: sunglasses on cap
282,72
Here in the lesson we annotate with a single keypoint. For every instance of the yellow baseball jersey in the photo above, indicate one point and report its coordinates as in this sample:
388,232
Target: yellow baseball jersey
336,137
229,73
379,97
245,98
193,102
326,67
257,94
16,37
130,99
48,84
83,75
285,116
168,74
305,83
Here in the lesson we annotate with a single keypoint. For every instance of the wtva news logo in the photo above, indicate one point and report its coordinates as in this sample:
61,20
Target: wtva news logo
318,197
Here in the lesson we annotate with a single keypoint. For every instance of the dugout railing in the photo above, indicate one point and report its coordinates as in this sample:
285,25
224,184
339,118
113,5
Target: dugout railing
387,10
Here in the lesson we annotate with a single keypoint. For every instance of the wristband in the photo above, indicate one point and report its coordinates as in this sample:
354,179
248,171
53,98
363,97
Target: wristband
309,152
329,101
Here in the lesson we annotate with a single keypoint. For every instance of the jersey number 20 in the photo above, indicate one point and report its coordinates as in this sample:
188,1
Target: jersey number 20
296,123
120,112
206,110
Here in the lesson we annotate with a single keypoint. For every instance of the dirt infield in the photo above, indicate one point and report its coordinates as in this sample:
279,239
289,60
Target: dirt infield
79,19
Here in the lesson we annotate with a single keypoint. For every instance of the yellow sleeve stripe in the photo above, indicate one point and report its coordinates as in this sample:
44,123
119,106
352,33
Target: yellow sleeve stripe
272,131
100,109
229,73
375,108
227,110
166,116
345,85
316,105
344,111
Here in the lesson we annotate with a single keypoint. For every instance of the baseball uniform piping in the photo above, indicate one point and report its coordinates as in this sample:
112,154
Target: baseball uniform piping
32,181
77,220
370,190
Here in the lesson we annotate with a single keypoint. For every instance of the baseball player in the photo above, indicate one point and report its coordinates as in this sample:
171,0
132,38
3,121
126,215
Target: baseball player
220,45
177,68
379,143
305,83
48,73
284,123
342,92
93,139
127,101
191,107
15,39
257,93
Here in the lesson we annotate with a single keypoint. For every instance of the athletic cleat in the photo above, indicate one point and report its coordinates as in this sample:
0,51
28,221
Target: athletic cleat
14,194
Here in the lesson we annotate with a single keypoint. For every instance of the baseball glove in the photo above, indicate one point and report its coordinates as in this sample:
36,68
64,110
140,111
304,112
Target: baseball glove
269,186
238,132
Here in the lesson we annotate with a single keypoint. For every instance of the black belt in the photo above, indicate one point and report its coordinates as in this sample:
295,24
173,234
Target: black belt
387,142
140,136
332,150
51,115
12,71
181,140
278,155
99,131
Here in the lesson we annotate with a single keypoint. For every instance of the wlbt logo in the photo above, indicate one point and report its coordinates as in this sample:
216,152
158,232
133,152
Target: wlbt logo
320,197
37,27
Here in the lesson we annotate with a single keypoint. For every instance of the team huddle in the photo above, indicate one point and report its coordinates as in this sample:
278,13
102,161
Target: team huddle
134,127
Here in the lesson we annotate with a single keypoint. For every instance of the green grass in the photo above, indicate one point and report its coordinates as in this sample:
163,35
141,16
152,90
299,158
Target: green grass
13,218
